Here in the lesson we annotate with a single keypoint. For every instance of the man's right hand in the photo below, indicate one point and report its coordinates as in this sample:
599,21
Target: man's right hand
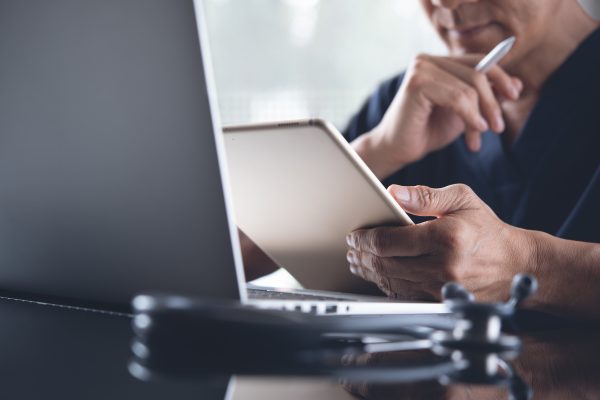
440,99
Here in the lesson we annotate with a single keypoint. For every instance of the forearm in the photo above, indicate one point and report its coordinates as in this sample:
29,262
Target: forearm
568,273
376,155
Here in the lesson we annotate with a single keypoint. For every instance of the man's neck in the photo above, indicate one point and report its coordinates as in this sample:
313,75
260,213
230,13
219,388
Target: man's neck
575,26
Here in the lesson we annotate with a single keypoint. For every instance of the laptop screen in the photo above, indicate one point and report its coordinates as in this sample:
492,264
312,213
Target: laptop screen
110,179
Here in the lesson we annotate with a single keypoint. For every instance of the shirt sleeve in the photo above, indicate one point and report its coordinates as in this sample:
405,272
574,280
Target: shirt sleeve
373,109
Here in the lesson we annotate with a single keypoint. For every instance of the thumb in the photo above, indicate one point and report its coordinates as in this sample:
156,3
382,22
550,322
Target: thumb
428,202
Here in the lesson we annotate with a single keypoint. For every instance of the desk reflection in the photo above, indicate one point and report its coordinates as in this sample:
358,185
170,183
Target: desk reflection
48,352
554,364
558,364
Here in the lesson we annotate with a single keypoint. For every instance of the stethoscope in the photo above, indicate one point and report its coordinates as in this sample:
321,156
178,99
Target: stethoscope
183,337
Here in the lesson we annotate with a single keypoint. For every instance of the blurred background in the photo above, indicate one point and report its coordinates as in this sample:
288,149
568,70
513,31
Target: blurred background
290,59
286,59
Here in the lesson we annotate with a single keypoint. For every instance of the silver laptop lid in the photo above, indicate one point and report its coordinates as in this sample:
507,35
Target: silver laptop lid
110,163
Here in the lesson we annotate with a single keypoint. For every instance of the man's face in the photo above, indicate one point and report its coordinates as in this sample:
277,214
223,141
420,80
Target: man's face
476,26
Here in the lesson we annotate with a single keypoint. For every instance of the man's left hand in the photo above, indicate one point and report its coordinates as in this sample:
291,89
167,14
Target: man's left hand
465,243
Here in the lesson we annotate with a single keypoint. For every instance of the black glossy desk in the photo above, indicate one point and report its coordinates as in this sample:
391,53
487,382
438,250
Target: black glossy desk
53,353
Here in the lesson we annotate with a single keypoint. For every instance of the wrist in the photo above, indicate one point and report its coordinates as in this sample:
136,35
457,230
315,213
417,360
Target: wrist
533,260
527,250
566,271
377,154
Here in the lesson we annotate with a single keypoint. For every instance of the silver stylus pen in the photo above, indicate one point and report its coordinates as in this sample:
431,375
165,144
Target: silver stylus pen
494,56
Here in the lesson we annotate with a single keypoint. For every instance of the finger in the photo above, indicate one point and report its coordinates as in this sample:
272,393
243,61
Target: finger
470,60
399,288
488,104
426,201
448,91
381,281
506,85
412,269
402,241
518,83
473,140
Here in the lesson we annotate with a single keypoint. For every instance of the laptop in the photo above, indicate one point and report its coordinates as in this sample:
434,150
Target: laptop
112,173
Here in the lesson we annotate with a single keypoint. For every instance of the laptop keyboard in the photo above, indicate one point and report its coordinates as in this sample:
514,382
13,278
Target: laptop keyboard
263,294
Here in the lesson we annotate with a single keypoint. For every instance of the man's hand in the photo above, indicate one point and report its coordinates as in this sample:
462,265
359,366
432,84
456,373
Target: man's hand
466,243
440,99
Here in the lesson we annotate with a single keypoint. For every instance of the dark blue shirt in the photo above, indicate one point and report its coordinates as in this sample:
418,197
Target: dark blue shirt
549,179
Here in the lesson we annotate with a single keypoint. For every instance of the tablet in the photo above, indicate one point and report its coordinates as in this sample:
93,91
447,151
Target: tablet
298,189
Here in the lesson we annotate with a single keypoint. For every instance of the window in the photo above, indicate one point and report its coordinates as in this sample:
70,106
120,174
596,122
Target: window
286,59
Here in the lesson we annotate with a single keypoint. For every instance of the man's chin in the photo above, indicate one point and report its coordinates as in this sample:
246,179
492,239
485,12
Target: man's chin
480,40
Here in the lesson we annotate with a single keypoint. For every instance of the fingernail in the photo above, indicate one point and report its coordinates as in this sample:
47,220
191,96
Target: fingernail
518,84
499,123
350,257
514,92
353,269
483,125
402,194
349,240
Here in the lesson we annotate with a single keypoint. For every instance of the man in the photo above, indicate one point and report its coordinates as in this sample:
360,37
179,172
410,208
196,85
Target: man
517,149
